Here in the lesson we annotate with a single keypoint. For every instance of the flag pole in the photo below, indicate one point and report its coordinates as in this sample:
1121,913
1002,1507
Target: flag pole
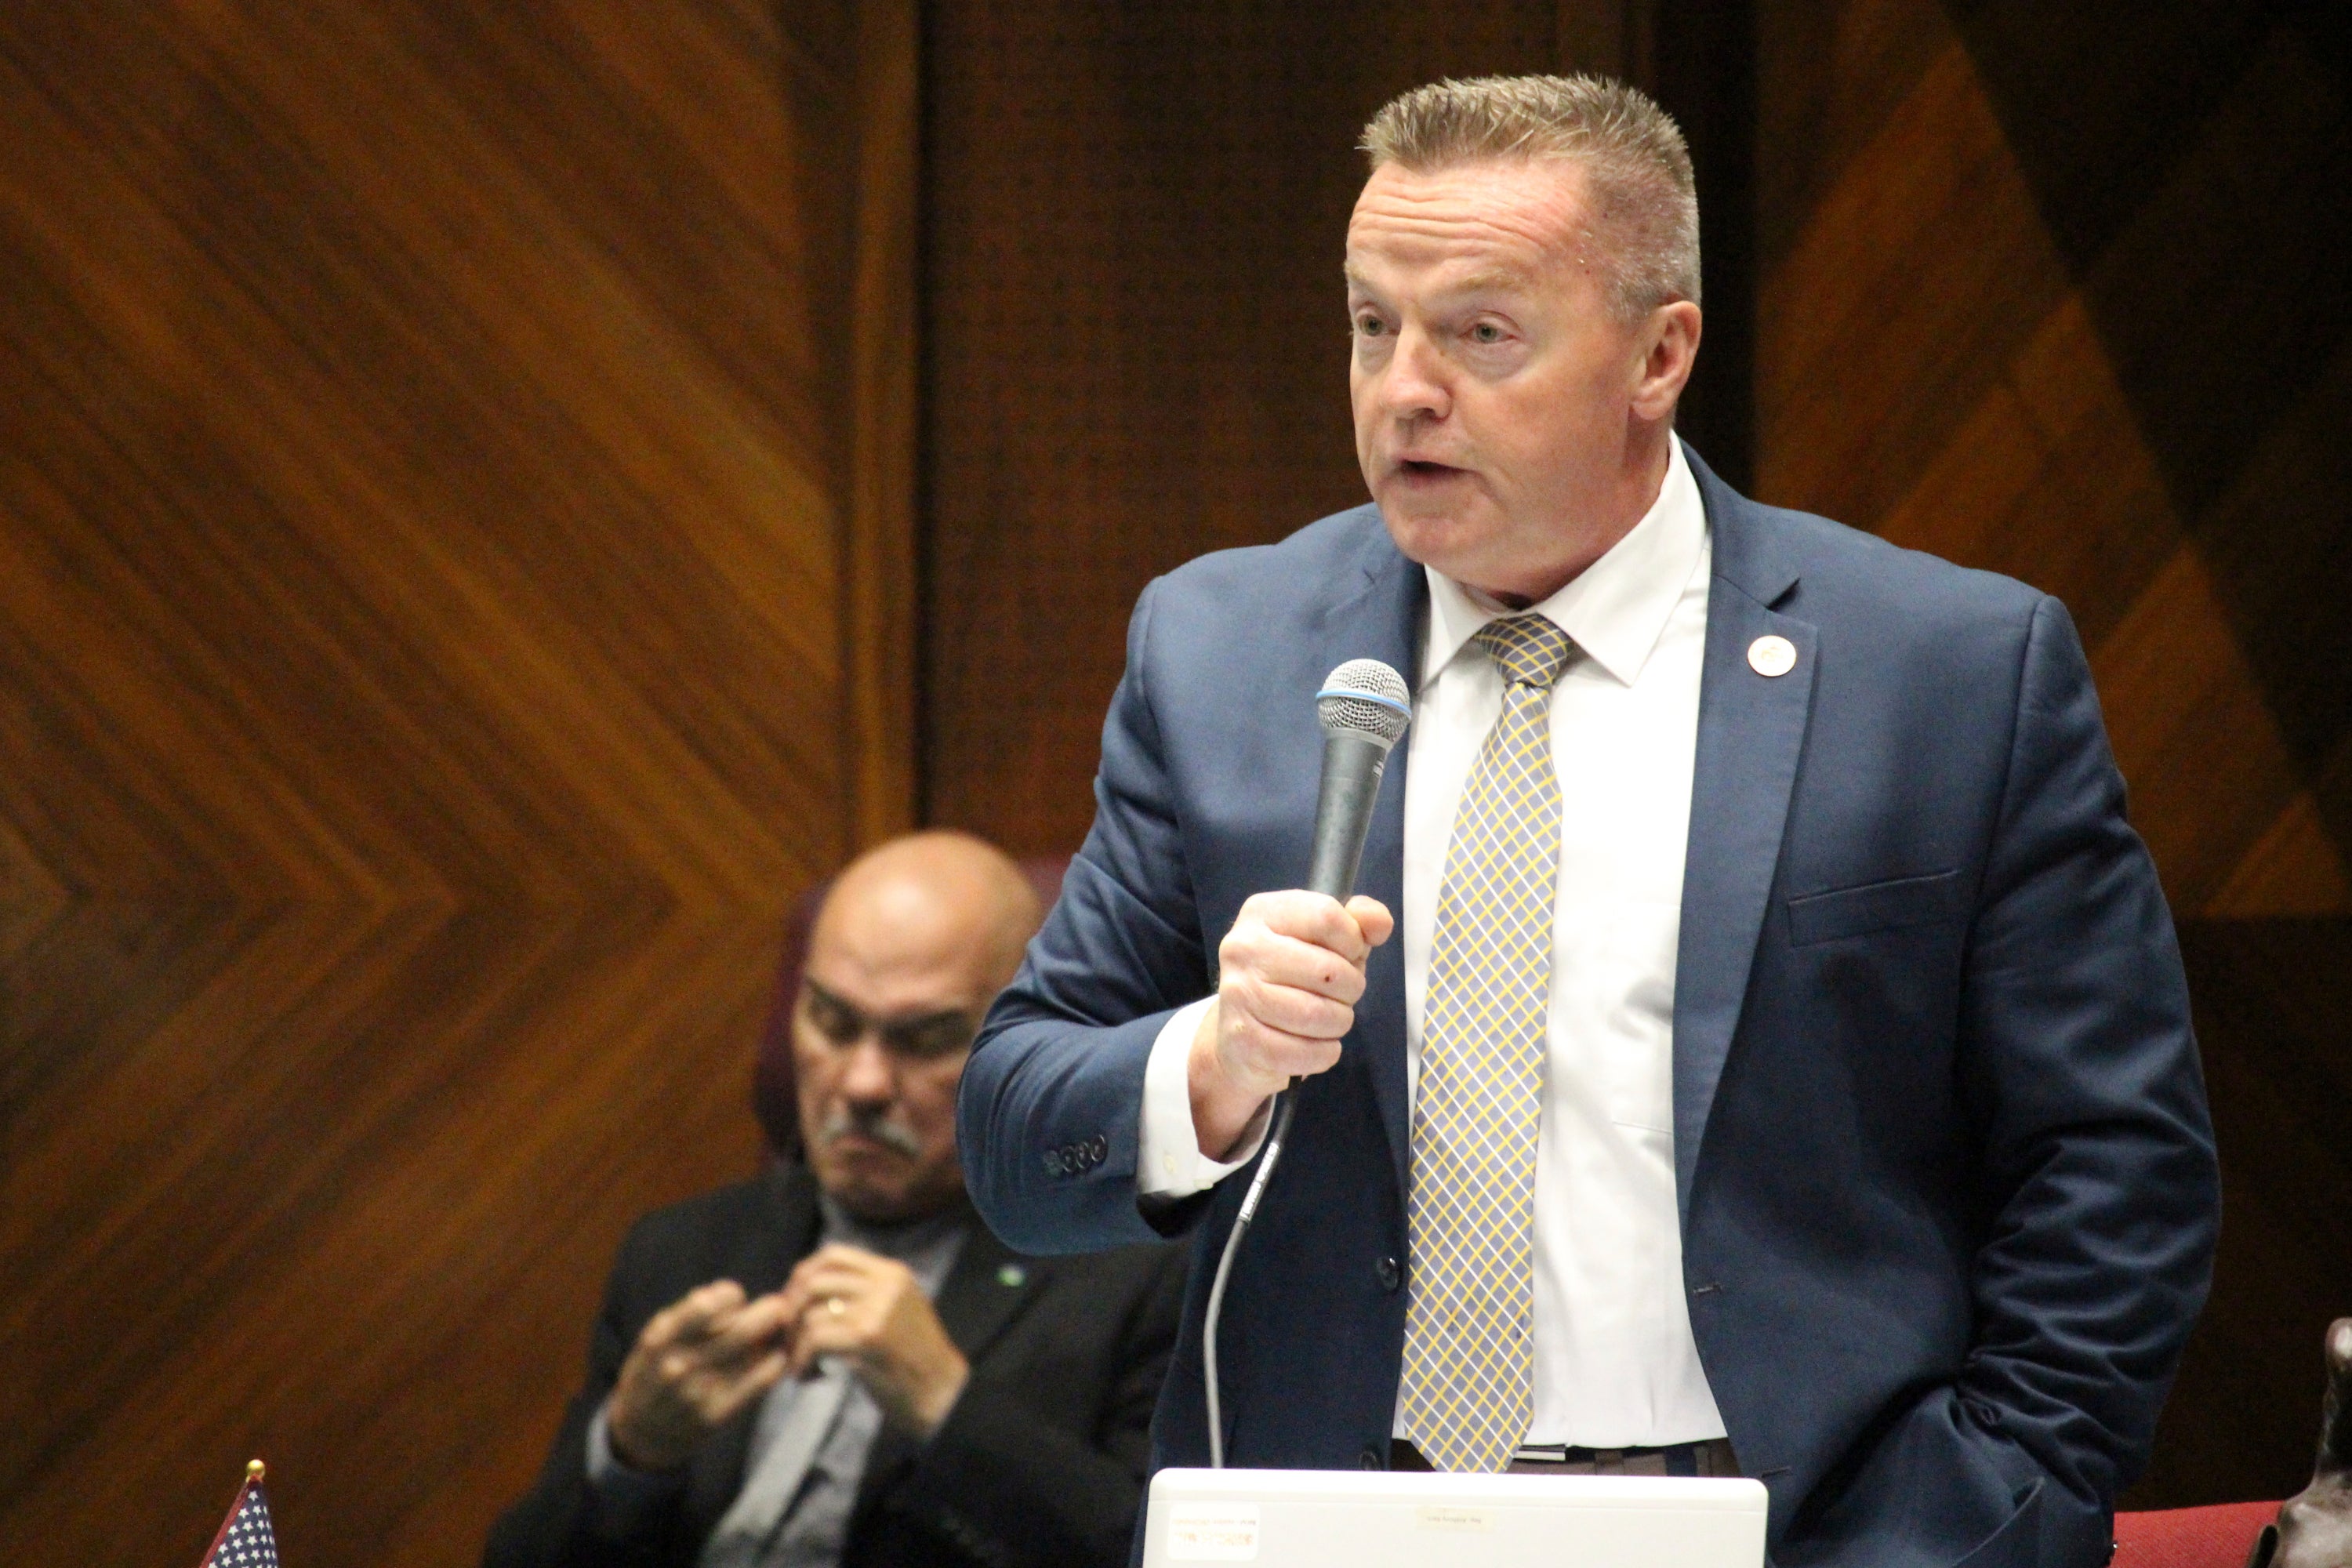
248,1494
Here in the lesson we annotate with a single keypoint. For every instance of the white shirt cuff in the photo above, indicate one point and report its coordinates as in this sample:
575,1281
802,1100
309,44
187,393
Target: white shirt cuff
625,1492
1170,1163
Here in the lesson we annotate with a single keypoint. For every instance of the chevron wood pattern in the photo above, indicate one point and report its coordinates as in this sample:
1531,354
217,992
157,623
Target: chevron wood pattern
2059,291
454,591
2063,272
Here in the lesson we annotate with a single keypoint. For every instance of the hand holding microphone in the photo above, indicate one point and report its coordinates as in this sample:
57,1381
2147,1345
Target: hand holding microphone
1292,968
1291,971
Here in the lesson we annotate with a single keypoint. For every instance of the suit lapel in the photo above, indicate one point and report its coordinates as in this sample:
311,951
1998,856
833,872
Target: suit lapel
978,1300
1382,620
986,1291
1751,730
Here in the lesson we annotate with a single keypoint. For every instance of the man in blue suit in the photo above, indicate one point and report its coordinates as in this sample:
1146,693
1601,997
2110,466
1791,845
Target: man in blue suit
1759,1045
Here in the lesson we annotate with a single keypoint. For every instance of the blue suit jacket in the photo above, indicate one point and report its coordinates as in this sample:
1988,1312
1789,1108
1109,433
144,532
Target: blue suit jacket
1946,1174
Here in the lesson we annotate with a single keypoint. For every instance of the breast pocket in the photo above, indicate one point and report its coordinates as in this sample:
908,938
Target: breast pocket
1894,905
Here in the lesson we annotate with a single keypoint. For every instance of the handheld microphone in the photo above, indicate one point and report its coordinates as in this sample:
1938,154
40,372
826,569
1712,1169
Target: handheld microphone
1364,707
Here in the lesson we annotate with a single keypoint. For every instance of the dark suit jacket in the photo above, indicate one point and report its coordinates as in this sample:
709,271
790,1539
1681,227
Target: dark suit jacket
1040,1462
1946,1175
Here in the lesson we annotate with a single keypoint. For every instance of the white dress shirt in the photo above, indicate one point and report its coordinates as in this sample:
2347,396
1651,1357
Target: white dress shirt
1615,1365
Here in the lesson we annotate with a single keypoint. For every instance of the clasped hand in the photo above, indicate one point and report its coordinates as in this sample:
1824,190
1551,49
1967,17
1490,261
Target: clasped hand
705,1357
1290,973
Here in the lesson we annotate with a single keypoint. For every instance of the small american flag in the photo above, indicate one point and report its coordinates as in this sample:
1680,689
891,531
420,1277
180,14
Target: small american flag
245,1540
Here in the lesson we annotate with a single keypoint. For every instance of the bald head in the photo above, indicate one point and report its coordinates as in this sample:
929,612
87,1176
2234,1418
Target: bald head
912,943
929,901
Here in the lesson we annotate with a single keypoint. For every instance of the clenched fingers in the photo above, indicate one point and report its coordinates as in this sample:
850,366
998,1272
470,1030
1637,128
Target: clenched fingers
1316,920
695,1316
1293,963
715,1326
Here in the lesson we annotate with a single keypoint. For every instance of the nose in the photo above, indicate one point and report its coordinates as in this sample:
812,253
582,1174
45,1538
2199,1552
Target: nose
869,1078
1414,384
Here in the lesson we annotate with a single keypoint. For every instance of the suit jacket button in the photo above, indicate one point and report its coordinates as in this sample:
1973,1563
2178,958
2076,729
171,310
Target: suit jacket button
1100,1148
1052,1162
1390,1275
1373,1459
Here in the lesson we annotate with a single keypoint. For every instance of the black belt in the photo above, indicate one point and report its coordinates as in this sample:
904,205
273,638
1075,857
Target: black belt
1681,1459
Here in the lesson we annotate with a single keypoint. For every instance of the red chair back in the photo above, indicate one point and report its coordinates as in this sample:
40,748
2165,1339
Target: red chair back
2221,1536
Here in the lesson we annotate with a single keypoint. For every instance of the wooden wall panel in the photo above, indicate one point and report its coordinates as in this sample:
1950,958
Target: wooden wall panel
2040,296
439,504
1135,343
2274,1017
2055,292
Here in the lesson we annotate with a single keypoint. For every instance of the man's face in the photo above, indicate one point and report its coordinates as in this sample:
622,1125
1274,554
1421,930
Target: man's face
1494,389
892,994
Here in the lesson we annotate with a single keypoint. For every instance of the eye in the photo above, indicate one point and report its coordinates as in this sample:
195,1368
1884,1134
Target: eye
1485,332
833,1019
926,1039
1369,325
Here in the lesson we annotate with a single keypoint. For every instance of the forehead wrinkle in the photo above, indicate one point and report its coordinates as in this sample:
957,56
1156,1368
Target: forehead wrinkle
1466,275
1544,224
1494,230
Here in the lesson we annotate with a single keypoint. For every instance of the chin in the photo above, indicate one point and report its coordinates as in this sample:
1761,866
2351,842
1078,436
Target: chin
863,1202
1437,540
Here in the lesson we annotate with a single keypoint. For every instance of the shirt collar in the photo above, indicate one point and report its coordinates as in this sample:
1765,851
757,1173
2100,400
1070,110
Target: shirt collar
1616,608
904,1240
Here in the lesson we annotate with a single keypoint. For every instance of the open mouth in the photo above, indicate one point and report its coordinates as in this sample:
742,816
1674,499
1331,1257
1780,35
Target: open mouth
1419,469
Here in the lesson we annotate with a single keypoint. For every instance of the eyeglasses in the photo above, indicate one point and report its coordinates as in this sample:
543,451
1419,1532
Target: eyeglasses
926,1039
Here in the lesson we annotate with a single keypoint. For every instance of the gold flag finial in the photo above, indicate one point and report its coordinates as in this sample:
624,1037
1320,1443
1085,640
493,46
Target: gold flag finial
254,1469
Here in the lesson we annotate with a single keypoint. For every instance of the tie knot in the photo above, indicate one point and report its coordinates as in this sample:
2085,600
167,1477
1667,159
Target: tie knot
1528,649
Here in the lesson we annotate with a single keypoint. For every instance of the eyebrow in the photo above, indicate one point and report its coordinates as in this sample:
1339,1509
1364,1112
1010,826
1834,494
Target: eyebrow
1493,280
941,1015
1485,280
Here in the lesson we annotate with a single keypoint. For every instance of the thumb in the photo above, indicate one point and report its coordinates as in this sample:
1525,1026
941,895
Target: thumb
1371,918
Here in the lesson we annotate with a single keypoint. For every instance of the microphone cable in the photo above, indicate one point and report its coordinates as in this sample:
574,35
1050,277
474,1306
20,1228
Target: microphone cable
1286,1105
1363,707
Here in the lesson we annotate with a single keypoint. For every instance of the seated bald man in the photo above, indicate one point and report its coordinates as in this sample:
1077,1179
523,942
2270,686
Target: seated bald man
836,1363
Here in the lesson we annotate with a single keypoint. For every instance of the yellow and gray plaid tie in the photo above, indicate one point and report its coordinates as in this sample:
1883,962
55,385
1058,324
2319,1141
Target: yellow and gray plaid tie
1469,1344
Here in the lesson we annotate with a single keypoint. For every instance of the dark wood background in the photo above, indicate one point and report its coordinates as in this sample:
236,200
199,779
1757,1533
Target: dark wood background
2057,290
1135,344
455,592
458,565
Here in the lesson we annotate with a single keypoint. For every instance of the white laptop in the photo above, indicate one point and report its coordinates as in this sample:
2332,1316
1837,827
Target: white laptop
1389,1519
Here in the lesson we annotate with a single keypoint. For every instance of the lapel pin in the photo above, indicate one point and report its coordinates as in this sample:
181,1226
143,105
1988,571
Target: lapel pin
1771,655
1011,1276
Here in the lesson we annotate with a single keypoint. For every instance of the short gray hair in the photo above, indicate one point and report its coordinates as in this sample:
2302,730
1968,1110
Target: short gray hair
1637,167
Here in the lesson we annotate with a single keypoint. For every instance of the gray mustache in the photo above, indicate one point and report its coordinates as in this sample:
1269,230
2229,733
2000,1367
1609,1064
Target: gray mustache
890,1134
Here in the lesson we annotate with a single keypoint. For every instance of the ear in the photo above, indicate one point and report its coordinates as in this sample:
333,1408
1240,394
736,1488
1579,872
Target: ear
1668,341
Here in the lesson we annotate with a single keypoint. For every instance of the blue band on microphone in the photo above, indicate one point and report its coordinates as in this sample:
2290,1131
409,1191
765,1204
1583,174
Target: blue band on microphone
1390,703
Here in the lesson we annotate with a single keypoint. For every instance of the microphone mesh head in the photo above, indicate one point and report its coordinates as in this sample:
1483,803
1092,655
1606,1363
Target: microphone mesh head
1364,697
